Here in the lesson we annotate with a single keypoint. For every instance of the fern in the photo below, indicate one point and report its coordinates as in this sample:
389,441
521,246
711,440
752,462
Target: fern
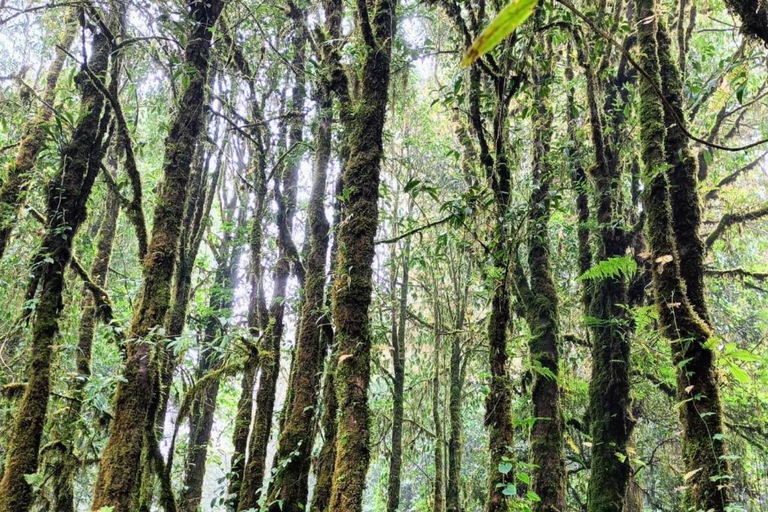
612,267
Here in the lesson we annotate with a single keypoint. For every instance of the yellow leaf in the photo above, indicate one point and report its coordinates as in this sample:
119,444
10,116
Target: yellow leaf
690,474
511,17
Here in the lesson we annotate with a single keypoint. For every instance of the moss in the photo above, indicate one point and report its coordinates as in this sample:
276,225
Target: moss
136,395
66,200
701,410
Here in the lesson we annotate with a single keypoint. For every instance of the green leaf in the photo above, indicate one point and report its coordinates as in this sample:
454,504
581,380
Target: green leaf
533,496
612,267
738,374
744,355
509,490
523,477
505,467
511,17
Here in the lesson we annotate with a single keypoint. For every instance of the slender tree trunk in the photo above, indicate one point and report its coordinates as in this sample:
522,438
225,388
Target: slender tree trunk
547,443
121,459
398,387
289,489
210,357
66,211
64,470
353,286
438,498
455,441
701,409
255,468
19,178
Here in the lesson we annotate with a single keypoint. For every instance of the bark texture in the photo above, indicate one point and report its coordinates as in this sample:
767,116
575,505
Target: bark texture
364,125
66,211
701,409
121,459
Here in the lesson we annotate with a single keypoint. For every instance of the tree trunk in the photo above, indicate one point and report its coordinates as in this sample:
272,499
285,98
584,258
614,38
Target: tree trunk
64,471
18,180
701,409
289,489
121,459
66,211
547,443
398,388
353,286
438,498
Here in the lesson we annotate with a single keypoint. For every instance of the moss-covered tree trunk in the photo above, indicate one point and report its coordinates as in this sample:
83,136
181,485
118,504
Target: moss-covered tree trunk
210,358
547,442
364,125
121,459
257,316
63,470
289,490
285,190
438,496
701,409
19,173
605,299
66,211
455,440
398,386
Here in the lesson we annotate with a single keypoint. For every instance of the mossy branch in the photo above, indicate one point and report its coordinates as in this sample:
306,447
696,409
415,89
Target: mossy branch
730,219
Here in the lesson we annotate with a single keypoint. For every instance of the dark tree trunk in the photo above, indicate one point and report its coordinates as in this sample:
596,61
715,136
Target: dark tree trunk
697,382
547,441
438,497
63,471
121,460
269,359
398,388
19,174
289,489
66,211
353,286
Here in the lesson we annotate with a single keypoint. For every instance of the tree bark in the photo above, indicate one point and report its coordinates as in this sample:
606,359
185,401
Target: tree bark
121,459
353,286
66,211
701,409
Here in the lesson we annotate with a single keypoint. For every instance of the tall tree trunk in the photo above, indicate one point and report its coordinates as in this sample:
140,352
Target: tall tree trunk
18,180
547,443
398,388
455,440
605,299
121,459
289,489
66,211
353,286
211,359
438,498
701,409
64,470
269,359
257,316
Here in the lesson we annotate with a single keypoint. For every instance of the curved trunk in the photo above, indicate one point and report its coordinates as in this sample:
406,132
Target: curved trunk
18,180
290,487
67,198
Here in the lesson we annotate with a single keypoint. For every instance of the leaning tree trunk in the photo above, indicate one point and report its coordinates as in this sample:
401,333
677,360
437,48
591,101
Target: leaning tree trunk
701,409
18,180
353,286
121,460
64,471
66,211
